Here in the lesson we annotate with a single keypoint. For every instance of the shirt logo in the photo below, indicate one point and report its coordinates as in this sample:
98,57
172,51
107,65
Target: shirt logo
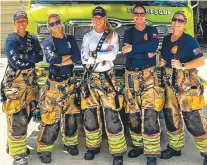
174,49
69,46
11,52
98,11
145,37
197,51
156,36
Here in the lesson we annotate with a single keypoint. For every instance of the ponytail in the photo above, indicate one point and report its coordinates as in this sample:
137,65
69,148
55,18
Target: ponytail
108,26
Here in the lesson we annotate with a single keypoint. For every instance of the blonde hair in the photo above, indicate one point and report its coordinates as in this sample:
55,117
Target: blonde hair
108,26
53,15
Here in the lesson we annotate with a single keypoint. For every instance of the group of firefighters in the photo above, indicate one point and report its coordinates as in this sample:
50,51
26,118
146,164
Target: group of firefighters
179,95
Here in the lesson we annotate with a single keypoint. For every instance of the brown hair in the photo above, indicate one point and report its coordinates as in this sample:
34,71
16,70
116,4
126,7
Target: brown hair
181,13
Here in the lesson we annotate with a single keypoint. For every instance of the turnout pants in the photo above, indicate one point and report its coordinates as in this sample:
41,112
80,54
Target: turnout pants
58,110
19,92
143,101
187,105
102,94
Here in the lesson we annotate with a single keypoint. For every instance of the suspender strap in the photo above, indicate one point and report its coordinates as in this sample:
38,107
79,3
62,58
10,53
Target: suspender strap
162,69
108,78
177,57
28,42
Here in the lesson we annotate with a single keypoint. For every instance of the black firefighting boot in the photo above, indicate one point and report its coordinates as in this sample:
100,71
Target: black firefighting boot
90,154
169,152
118,160
151,161
45,156
135,152
72,150
20,160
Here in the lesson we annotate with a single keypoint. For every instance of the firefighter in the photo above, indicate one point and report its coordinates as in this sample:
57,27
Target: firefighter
19,86
99,48
143,97
58,108
181,55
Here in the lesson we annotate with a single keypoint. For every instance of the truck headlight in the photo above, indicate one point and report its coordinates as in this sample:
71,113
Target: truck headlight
42,30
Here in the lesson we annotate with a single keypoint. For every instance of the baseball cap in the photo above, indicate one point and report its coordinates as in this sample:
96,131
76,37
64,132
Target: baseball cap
99,11
19,14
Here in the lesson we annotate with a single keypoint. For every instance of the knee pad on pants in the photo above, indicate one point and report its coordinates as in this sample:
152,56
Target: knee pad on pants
91,119
169,119
193,123
50,133
135,122
19,123
151,125
70,125
113,122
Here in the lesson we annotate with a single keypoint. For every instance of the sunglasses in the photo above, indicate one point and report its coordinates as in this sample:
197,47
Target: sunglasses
178,20
54,23
139,14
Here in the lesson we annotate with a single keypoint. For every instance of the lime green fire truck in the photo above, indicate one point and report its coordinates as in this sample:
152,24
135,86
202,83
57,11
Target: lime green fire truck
76,16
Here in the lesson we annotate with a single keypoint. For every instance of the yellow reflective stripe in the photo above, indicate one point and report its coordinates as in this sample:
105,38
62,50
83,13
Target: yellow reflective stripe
137,139
93,143
118,148
201,145
45,148
93,139
117,143
176,141
151,144
73,140
116,151
17,146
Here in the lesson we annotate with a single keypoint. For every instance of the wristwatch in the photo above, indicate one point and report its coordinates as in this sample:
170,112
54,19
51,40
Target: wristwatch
183,66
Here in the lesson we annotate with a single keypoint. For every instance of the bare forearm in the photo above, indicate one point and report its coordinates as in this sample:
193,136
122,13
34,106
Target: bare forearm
195,63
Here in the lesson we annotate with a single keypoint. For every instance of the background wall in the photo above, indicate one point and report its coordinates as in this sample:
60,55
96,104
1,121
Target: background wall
8,7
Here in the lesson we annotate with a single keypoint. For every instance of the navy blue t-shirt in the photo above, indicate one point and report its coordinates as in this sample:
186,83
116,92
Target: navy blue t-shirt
54,55
28,59
190,50
141,46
